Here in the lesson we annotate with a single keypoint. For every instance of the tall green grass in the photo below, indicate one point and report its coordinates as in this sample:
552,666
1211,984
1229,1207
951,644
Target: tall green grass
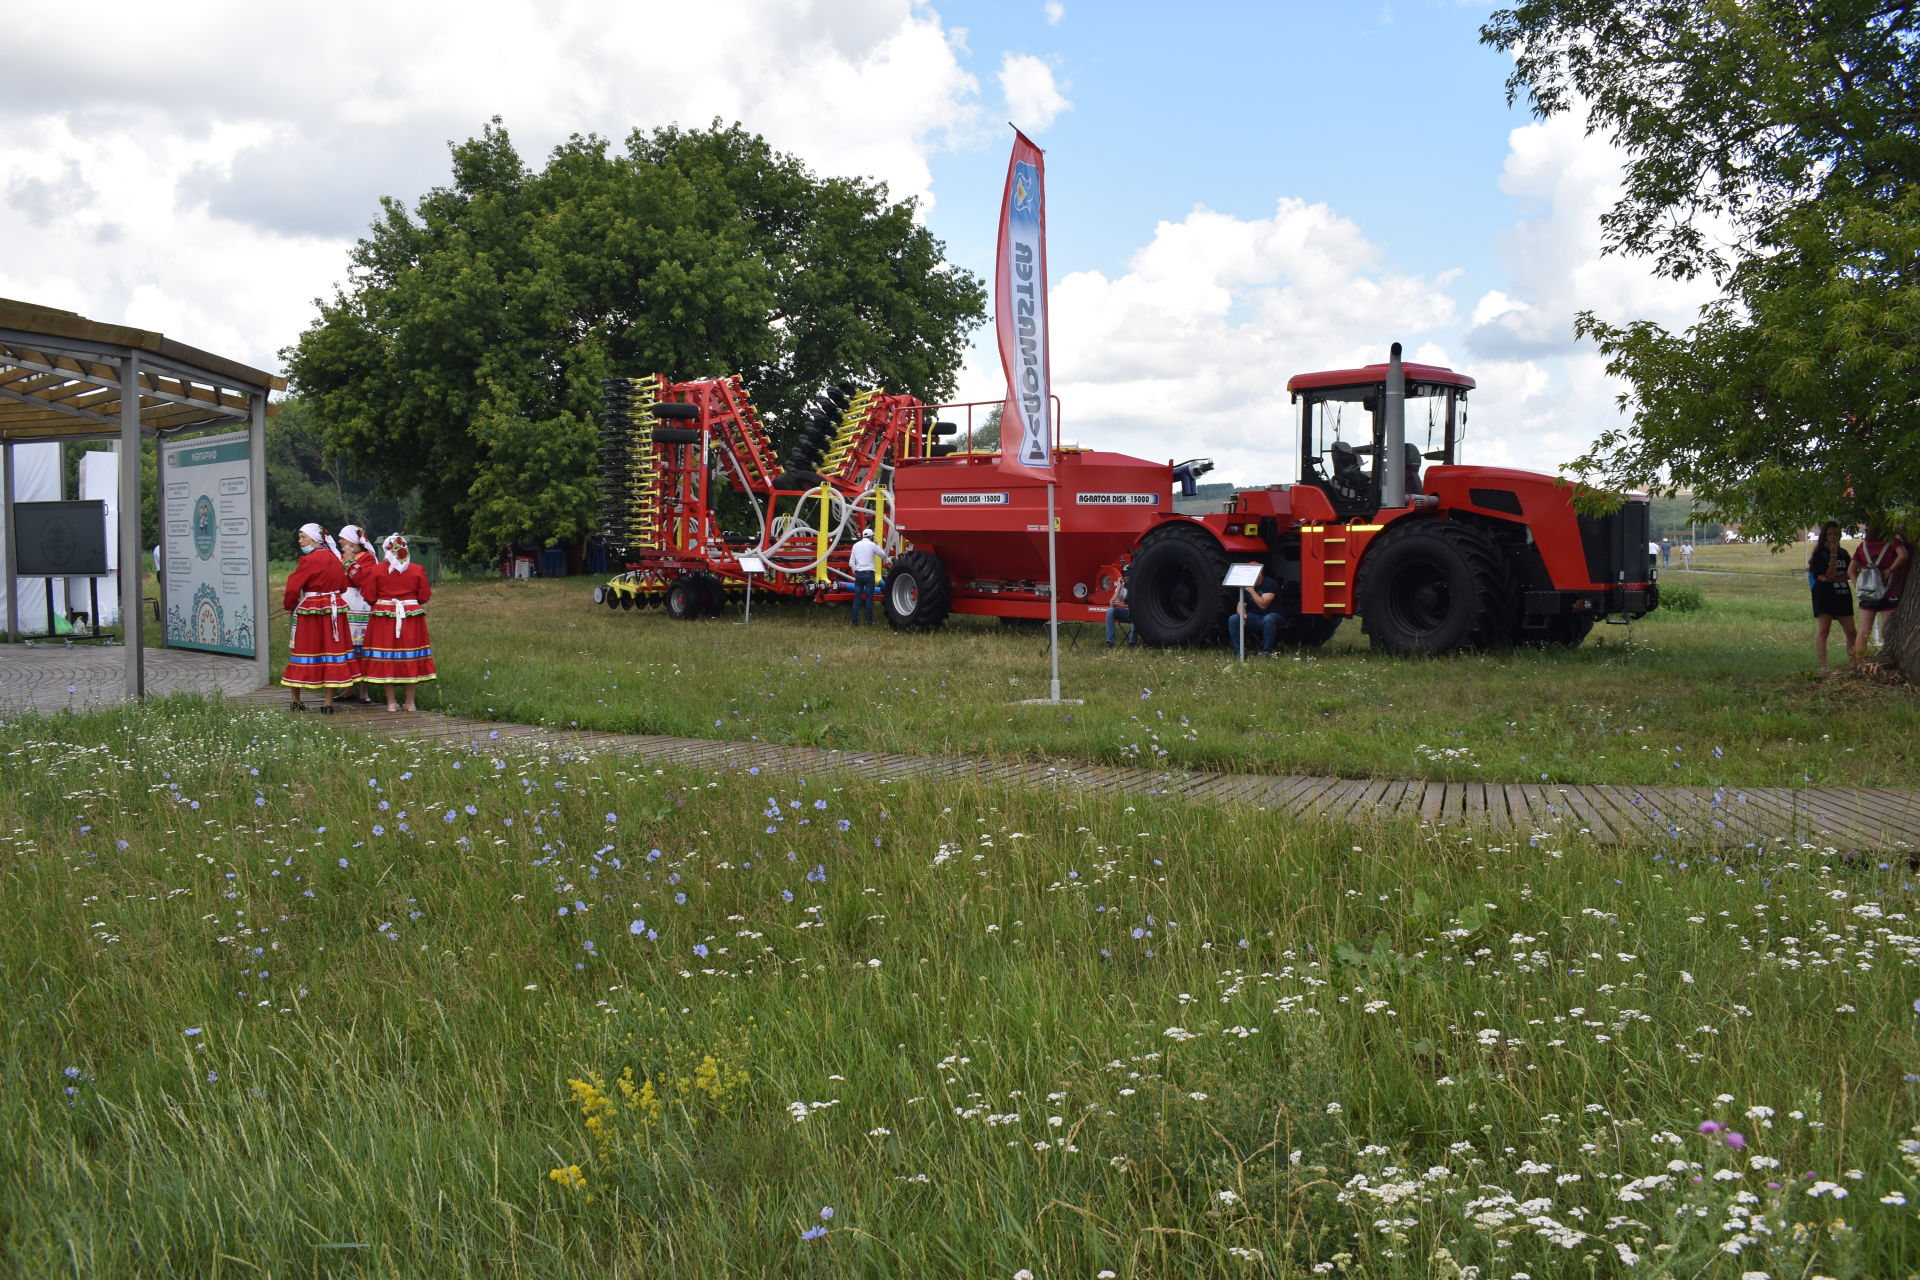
281,1001
1722,696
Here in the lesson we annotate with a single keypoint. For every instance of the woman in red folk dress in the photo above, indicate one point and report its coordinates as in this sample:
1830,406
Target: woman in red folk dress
322,651
396,647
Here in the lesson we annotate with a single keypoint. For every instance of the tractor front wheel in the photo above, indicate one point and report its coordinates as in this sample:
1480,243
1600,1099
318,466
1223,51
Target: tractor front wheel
1436,586
1174,588
918,595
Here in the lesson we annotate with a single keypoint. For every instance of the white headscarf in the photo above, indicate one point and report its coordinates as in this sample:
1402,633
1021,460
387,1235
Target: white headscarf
355,534
386,545
321,538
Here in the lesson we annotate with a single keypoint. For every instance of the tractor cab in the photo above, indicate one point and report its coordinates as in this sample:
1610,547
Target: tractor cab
1343,429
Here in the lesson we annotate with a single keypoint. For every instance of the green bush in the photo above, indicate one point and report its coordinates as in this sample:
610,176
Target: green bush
1681,600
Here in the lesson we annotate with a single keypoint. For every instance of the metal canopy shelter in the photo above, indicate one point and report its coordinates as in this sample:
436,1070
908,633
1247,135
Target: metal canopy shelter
64,377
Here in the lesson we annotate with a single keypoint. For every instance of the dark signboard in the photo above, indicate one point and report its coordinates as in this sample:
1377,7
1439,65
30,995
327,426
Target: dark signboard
60,539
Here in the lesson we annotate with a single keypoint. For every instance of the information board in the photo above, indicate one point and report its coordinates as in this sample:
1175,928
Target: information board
207,517
60,539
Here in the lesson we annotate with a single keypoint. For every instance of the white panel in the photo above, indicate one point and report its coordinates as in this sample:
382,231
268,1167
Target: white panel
37,478
100,478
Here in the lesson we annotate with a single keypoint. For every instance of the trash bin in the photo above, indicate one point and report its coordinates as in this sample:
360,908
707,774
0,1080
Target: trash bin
596,556
427,552
553,562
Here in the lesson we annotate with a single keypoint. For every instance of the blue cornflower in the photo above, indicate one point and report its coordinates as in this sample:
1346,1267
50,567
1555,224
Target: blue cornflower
818,875
379,830
213,1077
813,1233
637,927
449,816
587,945
819,804
787,894
845,825
343,862
579,906
700,949
1138,932
826,1214
471,811
191,1031
679,899
71,1073
613,817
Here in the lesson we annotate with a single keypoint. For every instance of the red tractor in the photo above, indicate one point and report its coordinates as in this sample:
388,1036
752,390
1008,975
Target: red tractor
1433,561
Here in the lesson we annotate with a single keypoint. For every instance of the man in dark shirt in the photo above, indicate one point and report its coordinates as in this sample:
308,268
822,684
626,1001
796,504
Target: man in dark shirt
1261,604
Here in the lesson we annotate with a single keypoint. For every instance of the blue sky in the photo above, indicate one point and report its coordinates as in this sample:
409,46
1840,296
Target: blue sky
1238,191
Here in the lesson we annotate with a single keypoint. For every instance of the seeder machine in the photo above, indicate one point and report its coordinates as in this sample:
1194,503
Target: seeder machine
664,447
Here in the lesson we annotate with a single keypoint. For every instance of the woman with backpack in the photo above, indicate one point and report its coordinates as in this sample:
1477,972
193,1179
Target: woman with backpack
1832,593
1878,571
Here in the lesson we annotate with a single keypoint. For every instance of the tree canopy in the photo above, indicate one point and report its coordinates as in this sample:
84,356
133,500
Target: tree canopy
465,352
1774,145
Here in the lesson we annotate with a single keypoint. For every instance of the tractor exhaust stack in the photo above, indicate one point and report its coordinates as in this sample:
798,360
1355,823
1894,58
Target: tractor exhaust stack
1393,432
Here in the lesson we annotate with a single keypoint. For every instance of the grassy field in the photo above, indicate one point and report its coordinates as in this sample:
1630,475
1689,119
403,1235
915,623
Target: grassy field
281,1002
1725,694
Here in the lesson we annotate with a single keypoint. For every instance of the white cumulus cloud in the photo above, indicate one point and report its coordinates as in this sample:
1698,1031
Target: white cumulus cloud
1034,101
208,177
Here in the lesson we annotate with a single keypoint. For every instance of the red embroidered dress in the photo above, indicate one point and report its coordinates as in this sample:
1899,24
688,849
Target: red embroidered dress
322,654
396,648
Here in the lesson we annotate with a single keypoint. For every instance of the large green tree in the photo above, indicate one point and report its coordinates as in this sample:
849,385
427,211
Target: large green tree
1775,146
465,352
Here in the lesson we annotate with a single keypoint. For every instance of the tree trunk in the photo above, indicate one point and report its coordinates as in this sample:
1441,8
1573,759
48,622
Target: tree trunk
1902,651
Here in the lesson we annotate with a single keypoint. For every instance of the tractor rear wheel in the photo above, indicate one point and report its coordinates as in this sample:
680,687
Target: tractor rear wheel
684,598
1436,586
918,594
1174,587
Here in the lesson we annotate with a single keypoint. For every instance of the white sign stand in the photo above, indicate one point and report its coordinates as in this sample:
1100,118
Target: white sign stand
1243,576
750,565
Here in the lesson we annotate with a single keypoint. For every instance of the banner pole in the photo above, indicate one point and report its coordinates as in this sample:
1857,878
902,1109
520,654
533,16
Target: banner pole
1053,594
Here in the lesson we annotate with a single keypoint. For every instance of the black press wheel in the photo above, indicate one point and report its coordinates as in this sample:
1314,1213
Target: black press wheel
1174,588
1436,586
918,594
676,435
685,598
621,600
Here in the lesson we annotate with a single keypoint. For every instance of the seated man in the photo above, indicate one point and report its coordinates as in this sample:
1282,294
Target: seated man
1261,605
1117,611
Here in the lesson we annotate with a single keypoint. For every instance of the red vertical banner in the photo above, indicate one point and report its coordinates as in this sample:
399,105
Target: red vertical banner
1020,314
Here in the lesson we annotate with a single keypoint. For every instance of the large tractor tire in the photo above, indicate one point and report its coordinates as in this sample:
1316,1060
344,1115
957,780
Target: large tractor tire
1174,588
676,435
918,595
676,411
1436,586
686,598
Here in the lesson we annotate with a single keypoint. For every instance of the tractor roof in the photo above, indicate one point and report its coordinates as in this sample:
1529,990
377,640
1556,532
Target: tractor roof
1376,373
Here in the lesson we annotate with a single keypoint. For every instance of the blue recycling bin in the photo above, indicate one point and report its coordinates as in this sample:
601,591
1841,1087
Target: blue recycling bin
553,562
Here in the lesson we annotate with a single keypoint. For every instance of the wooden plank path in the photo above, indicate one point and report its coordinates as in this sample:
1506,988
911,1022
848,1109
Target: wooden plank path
1865,818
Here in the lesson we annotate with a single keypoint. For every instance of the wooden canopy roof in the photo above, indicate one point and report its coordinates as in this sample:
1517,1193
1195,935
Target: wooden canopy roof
61,378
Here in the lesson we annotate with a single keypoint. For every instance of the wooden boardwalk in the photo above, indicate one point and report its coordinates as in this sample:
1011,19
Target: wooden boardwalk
1850,818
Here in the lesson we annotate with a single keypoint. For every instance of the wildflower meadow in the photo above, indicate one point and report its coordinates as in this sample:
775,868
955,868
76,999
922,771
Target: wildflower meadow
283,1000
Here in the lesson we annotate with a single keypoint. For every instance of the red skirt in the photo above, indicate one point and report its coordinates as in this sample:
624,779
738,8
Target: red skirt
399,655
322,656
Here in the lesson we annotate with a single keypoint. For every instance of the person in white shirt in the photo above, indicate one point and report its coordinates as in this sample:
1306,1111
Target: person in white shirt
864,560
